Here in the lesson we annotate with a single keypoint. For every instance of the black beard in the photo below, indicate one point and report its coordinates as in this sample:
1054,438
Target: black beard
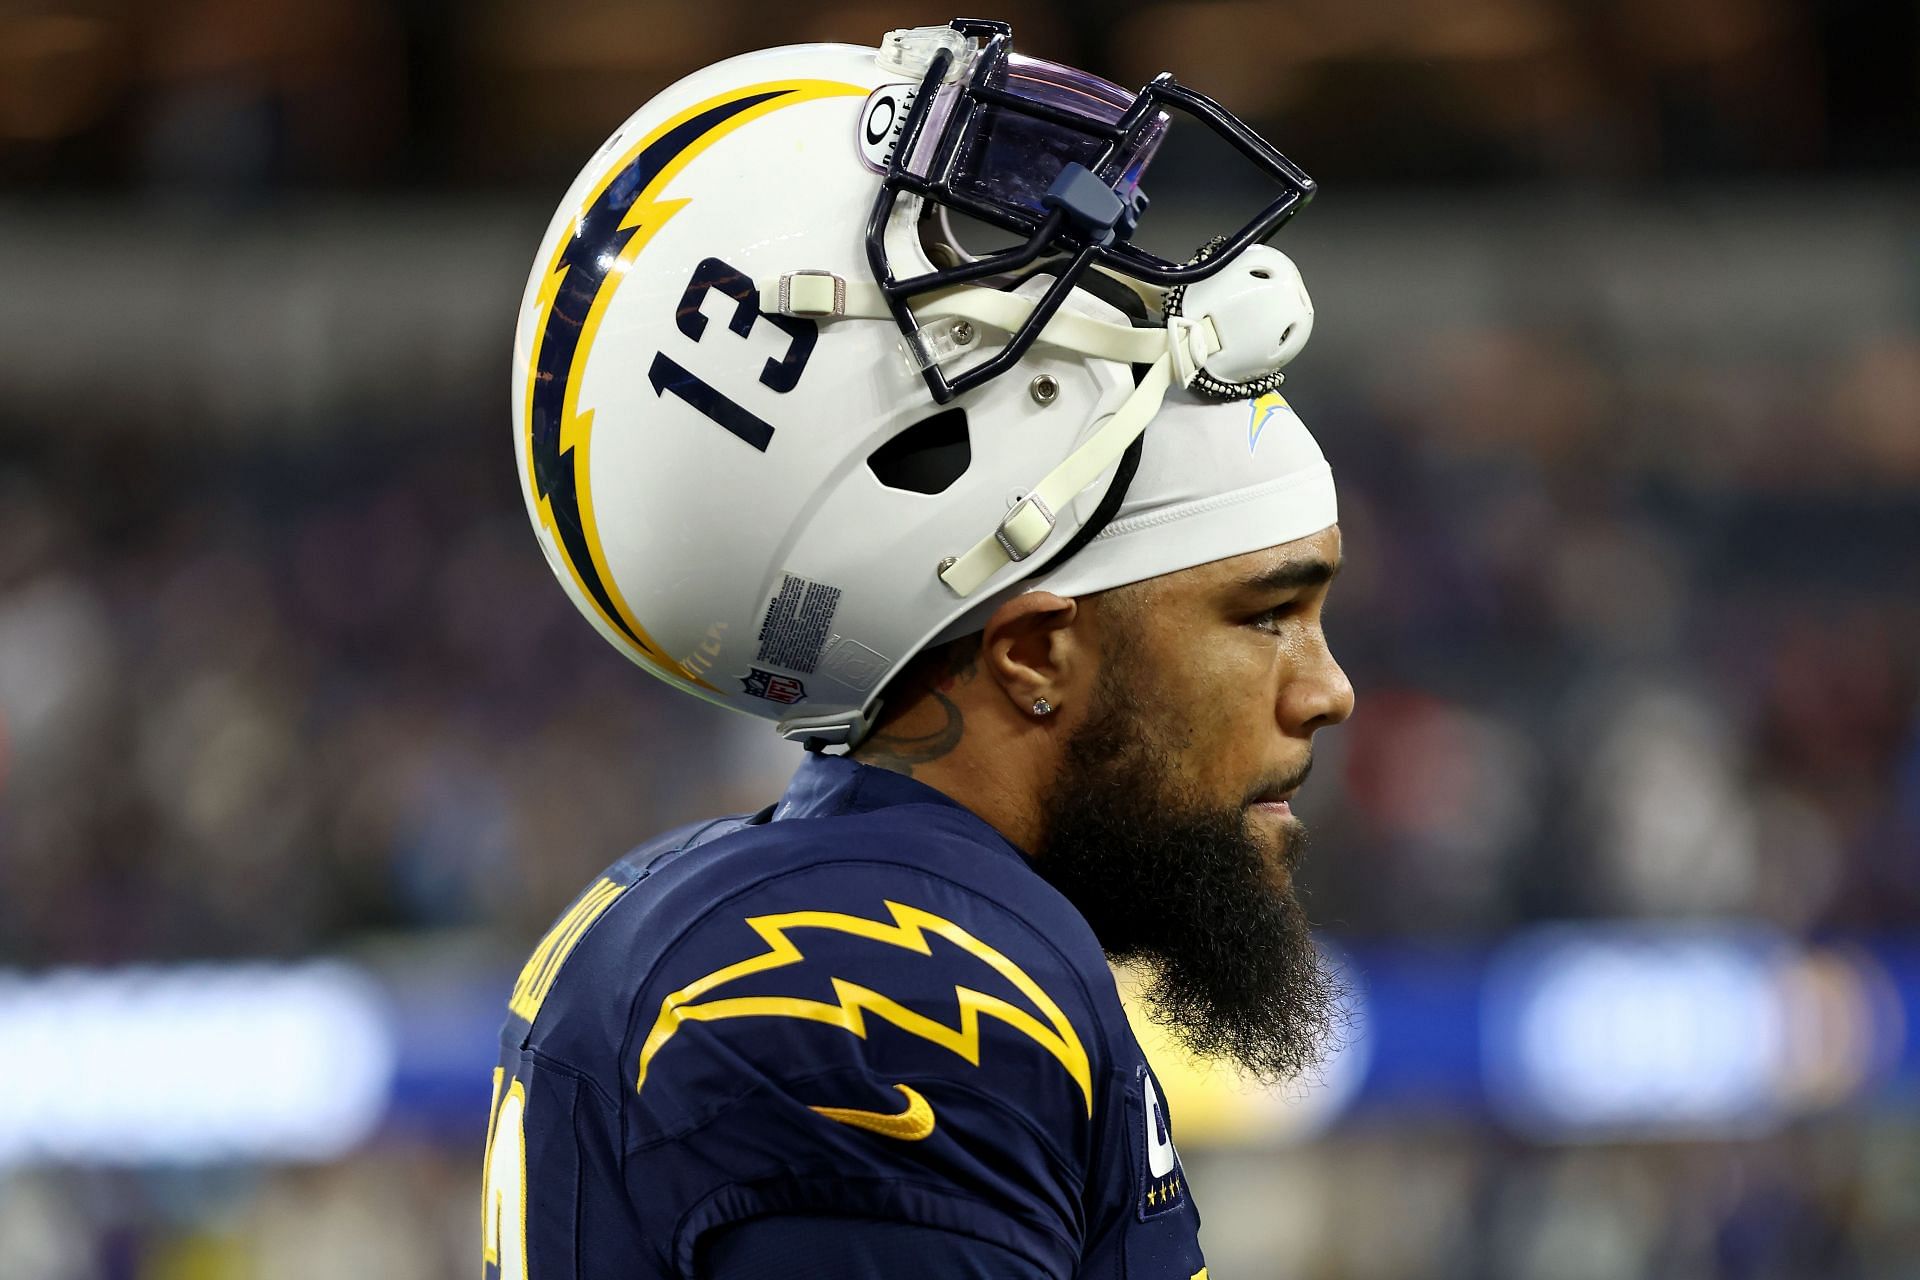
1162,878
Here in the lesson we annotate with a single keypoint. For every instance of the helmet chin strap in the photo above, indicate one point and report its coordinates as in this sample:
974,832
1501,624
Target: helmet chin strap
1176,353
1028,525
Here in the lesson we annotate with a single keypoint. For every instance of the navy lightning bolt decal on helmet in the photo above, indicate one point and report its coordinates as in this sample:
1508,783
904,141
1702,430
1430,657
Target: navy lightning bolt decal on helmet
626,208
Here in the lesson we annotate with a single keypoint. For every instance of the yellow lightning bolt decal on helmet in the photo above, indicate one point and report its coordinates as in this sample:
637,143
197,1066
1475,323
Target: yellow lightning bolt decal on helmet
1259,409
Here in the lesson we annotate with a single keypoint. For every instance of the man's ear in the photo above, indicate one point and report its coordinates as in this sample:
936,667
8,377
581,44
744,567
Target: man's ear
1037,650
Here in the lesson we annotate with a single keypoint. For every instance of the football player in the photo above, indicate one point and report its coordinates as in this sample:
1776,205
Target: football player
846,396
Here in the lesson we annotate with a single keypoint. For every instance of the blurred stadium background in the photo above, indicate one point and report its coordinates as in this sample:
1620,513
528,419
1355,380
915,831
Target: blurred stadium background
1618,361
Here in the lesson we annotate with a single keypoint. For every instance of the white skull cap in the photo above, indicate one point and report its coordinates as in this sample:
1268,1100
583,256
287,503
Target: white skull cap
1215,480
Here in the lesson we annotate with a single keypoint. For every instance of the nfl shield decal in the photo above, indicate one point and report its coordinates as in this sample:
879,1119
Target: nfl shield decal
773,687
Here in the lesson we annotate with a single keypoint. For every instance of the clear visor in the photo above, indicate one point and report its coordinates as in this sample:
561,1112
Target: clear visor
1009,157
1048,156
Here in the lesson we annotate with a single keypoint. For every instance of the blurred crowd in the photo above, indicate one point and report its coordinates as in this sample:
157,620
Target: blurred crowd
1623,649
298,699
260,700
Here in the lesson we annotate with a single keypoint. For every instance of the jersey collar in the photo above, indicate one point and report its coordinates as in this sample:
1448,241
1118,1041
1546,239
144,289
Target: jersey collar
828,786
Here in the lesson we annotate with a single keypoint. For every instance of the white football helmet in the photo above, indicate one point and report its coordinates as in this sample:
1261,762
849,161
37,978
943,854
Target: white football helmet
778,429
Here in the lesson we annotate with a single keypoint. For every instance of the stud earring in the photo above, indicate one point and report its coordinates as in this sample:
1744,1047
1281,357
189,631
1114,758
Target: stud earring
1041,707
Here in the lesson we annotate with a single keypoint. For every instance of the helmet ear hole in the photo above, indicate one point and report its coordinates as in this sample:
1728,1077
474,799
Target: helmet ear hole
927,457
951,237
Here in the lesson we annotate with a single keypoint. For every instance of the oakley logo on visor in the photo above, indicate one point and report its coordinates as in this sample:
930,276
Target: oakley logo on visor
881,121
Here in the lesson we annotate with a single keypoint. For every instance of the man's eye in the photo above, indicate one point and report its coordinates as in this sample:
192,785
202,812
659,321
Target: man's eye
1272,618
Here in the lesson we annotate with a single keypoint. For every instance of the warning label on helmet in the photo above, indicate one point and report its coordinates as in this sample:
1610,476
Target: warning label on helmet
798,622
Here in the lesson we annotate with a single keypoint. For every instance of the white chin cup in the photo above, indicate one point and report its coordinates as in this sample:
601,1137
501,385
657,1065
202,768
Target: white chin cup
1260,309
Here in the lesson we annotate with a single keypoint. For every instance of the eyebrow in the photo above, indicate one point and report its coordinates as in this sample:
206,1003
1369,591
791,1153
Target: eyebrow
1294,575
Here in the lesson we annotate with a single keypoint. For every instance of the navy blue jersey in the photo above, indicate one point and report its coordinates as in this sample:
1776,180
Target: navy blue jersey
860,1008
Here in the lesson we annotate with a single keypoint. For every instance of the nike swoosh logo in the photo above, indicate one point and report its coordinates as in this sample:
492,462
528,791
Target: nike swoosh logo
911,1125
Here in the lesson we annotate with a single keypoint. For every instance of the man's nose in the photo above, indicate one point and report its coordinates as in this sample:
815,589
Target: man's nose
1320,696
